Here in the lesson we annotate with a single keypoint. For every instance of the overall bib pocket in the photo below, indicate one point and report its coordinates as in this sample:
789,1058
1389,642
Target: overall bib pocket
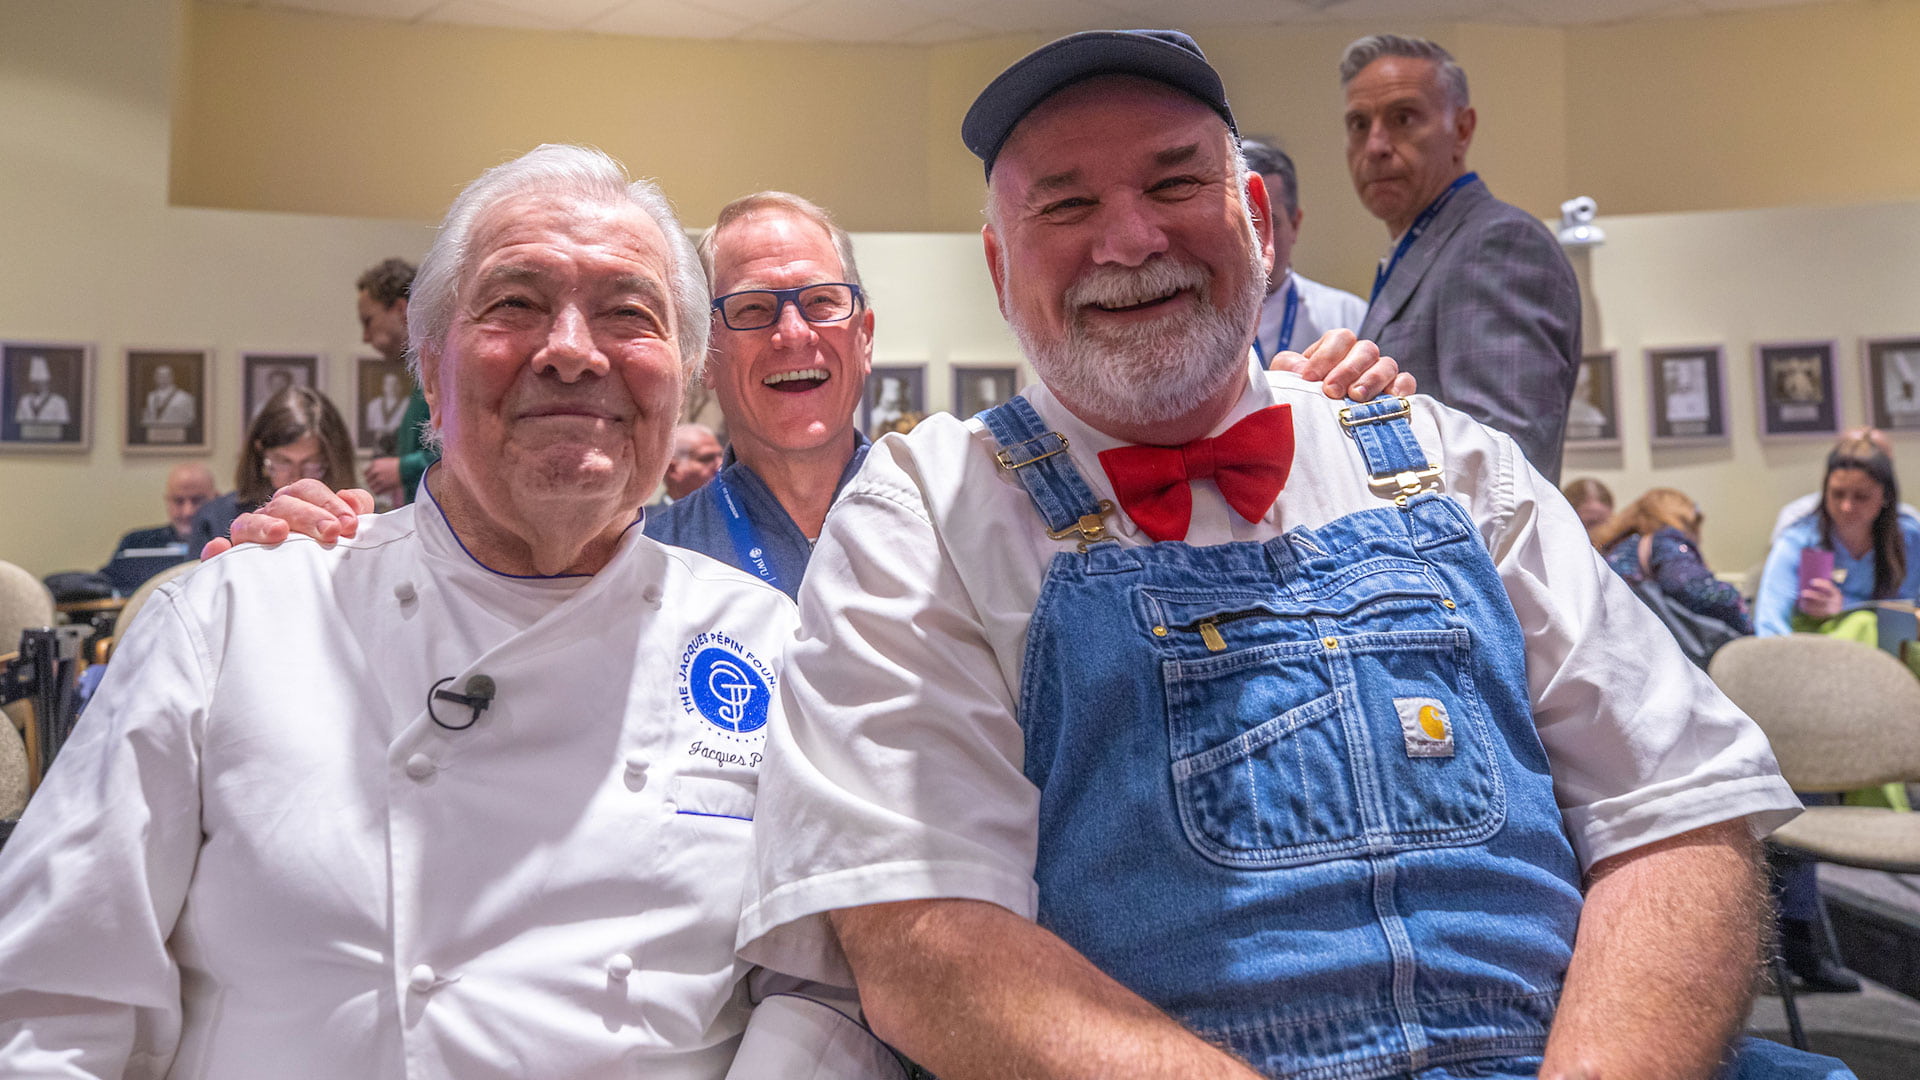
1289,749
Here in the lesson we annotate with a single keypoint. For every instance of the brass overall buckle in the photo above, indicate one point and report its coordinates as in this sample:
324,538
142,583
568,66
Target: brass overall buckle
1402,486
1091,528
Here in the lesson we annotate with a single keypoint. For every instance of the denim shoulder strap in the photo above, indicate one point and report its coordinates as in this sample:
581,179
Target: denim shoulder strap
1037,455
1397,466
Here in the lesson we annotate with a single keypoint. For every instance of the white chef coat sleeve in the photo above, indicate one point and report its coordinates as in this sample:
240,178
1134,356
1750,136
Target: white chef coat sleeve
1642,745
896,774
94,877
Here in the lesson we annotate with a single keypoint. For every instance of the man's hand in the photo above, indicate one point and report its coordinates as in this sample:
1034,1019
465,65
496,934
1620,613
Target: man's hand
1821,599
1346,367
383,476
1664,961
307,507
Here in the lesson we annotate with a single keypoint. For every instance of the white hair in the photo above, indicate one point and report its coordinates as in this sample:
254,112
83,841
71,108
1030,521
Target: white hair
571,172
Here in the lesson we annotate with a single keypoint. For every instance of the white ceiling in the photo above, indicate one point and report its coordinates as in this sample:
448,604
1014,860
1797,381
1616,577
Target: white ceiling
933,21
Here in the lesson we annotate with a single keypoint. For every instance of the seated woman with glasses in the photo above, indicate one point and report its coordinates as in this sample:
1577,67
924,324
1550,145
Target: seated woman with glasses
298,433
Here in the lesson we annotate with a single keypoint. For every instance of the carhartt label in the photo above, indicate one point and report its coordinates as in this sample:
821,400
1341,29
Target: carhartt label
1426,726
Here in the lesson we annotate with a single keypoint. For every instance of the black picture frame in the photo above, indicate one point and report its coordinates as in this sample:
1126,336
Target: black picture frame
376,417
264,374
46,396
896,395
978,387
1593,416
1687,394
1893,382
167,413
1798,395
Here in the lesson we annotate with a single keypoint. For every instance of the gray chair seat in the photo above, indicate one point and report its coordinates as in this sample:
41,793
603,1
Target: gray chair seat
1873,838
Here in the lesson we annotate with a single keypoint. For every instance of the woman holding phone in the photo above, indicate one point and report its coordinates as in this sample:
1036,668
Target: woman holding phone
1854,548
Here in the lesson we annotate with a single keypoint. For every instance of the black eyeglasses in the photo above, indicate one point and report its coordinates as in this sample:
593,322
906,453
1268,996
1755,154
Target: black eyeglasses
757,309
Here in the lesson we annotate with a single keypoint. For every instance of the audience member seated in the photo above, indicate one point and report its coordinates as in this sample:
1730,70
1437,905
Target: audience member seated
1806,505
143,553
298,433
1592,501
1875,549
1657,538
1875,555
697,454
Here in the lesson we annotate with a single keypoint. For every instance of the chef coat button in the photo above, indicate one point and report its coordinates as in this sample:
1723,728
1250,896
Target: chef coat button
404,593
620,966
651,594
636,765
420,979
419,766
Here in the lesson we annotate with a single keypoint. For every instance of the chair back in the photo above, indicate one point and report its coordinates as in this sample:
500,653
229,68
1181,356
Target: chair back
24,602
1841,715
140,596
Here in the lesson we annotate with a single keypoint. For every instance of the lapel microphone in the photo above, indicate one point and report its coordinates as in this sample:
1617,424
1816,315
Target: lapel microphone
477,696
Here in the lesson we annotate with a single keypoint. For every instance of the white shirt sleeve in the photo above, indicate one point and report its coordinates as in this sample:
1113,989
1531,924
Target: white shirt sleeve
94,877
1643,745
897,772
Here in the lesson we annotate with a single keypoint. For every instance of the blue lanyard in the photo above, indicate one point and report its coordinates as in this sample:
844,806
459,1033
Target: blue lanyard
1419,226
751,554
1286,321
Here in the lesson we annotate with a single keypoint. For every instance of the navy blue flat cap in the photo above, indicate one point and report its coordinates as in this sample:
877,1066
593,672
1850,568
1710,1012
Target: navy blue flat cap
1166,56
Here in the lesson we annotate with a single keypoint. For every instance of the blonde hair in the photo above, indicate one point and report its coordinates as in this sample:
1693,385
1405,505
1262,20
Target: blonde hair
1660,508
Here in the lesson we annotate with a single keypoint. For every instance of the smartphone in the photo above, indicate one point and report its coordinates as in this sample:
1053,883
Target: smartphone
1816,564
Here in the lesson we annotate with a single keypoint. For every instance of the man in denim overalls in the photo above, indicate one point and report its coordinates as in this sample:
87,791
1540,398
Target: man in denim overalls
1173,720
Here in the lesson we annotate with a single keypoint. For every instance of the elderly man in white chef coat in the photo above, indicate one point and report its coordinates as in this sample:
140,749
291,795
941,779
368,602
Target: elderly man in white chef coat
468,794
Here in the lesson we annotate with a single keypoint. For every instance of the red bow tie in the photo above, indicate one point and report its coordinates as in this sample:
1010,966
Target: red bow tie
1248,463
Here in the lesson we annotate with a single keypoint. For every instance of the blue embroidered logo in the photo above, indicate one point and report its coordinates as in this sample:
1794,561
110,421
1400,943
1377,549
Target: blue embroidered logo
725,685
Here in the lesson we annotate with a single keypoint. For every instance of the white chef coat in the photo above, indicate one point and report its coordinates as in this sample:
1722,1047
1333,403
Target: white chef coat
897,774
1322,308
171,406
259,856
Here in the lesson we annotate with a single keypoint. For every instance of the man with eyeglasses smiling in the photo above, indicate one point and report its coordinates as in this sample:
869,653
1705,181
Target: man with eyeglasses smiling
792,343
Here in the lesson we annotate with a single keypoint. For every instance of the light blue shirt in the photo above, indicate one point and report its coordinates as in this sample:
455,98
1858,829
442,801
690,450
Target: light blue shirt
1773,606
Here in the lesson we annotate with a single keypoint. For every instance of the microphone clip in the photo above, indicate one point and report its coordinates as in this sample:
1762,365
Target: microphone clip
478,695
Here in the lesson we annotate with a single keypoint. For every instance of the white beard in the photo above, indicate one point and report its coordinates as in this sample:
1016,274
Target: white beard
1150,372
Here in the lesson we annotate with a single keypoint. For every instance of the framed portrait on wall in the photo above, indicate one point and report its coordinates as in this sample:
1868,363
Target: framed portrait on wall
45,396
167,392
1797,393
381,389
263,375
977,388
895,400
1688,394
1593,417
1893,383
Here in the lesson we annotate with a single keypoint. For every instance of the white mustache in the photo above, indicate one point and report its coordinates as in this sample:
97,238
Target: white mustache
1119,286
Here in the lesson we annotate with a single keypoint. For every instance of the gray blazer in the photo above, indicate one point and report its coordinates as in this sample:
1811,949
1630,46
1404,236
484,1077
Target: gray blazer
1485,311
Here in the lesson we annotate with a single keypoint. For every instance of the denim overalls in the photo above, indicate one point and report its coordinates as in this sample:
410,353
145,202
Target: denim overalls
1291,791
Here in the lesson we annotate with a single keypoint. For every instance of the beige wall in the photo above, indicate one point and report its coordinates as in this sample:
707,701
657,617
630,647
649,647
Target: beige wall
297,112
1801,106
1740,278
95,254
101,250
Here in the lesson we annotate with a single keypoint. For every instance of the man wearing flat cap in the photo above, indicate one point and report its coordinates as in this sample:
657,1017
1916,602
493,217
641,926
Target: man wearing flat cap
1173,720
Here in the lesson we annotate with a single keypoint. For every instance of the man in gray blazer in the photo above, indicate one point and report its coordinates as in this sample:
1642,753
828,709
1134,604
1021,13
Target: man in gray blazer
1475,298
